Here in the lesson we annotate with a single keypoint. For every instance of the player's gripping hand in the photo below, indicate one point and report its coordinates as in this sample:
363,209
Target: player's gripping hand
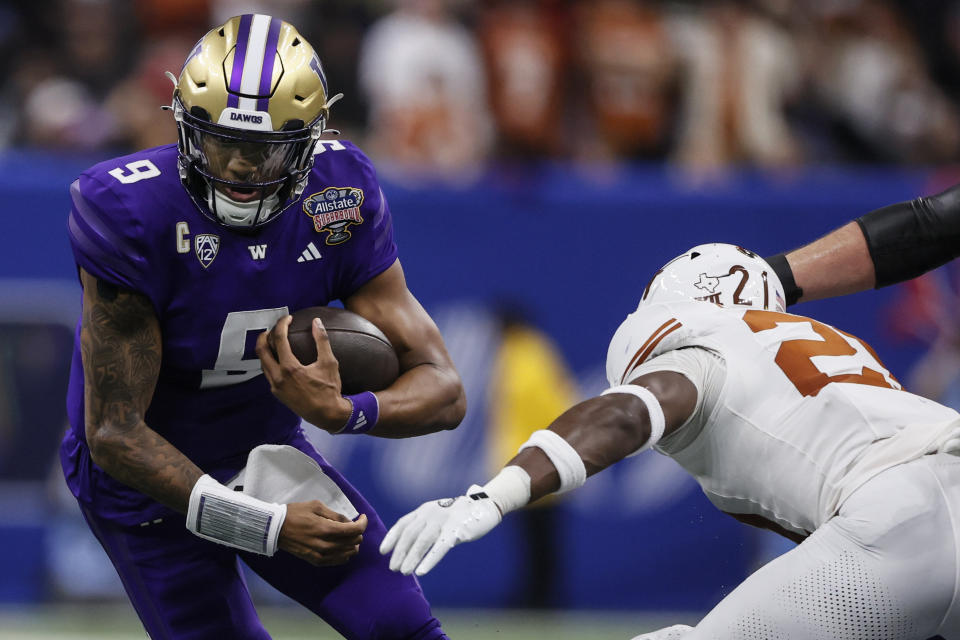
319,535
420,539
311,391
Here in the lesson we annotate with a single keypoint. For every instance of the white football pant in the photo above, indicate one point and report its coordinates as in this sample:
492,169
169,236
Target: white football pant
884,568
676,632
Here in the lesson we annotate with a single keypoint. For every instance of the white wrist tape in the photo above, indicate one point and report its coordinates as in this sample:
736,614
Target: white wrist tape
654,410
233,518
564,457
509,489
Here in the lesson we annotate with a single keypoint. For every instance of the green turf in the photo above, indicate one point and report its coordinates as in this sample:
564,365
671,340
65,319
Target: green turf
118,622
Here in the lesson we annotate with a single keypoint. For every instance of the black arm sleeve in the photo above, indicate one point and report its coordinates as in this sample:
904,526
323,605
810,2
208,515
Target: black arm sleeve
910,238
782,268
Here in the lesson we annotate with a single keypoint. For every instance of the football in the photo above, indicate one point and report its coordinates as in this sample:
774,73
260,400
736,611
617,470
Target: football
367,359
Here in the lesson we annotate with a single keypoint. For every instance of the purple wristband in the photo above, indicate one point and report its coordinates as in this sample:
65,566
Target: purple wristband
363,416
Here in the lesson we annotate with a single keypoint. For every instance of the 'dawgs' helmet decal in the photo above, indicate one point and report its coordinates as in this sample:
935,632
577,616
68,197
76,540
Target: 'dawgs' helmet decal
334,210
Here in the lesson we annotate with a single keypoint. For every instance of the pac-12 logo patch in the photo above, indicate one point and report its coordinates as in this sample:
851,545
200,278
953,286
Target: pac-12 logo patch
334,210
206,246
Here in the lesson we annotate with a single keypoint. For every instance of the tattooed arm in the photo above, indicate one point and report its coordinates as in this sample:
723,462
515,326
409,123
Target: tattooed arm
120,343
121,347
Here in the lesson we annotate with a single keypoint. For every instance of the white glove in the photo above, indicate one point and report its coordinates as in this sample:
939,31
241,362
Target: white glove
437,527
676,632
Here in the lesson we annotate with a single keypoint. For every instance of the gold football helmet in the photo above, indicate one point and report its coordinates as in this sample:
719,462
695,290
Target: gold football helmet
250,104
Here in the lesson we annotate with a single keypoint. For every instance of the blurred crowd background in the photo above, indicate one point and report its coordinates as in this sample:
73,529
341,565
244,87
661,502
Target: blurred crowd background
447,86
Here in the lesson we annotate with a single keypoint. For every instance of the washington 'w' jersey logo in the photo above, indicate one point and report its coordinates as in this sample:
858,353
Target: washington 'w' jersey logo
334,210
206,246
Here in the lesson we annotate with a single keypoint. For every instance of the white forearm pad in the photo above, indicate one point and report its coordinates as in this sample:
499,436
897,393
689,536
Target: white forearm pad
509,489
654,410
564,457
233,518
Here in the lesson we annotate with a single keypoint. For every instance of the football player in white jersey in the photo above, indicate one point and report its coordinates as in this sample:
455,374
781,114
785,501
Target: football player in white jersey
786,423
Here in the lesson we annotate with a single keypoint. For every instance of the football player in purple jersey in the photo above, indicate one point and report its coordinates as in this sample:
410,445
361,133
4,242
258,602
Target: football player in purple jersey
182,456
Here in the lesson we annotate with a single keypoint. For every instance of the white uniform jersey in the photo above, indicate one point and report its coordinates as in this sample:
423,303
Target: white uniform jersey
793,415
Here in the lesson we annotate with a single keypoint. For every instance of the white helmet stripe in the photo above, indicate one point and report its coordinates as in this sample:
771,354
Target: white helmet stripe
253,61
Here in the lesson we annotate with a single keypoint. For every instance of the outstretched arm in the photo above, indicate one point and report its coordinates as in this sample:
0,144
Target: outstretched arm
586,439
834,265
883,247
608,428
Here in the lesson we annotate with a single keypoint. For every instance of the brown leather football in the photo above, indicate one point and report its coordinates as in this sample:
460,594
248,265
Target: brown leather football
367,359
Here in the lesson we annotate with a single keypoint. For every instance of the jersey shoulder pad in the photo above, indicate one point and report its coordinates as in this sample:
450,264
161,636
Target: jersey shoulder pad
113,212
650,331
341,156
137,166
342,175
345,201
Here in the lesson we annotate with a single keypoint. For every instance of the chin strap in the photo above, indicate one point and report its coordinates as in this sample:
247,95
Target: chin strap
239,214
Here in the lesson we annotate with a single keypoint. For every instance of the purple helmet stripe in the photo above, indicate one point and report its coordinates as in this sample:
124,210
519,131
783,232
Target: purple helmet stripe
318,69
193,53
269,57
239,54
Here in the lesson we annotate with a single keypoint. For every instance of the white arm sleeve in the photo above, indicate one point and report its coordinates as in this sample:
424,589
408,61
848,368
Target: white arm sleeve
654,411
707,371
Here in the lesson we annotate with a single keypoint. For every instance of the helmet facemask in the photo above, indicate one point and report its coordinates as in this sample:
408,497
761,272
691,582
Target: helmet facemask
250,103
243,177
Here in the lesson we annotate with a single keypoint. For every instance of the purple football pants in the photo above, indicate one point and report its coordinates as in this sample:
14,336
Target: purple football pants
187,588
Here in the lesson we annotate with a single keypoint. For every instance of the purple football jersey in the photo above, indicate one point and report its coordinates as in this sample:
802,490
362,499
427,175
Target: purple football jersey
214,290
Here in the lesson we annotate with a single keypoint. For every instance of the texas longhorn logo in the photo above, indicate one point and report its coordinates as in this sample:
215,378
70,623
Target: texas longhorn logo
334,210
707,283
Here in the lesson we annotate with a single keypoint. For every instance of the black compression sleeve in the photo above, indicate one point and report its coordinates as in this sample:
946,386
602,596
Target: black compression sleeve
910,238
782,268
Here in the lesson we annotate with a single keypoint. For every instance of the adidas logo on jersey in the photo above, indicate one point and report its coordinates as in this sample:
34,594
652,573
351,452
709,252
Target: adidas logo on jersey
310,253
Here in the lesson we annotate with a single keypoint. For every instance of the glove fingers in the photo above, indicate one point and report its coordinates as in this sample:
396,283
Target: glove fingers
428,536
440,549
393,534
407,537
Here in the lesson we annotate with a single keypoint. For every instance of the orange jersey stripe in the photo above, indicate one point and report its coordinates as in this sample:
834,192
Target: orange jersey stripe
651,343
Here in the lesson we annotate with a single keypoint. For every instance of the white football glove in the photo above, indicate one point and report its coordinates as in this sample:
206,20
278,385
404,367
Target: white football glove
438,526
676,632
